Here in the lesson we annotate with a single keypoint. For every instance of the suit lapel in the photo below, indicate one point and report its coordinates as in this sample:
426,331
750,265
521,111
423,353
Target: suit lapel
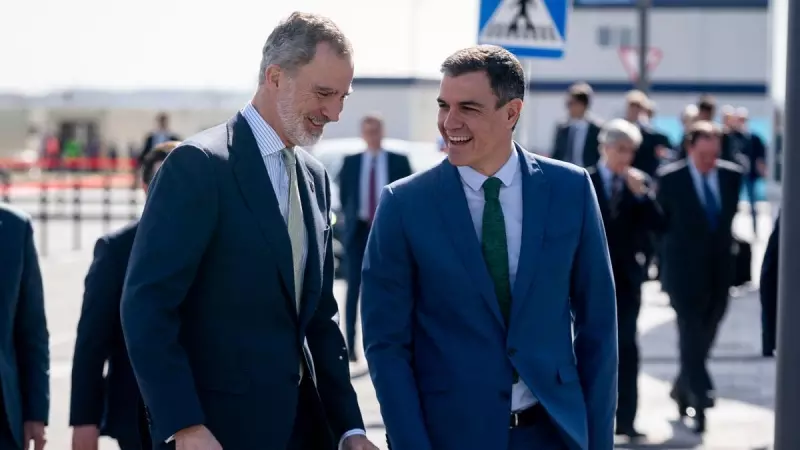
315,225
454,211
600,188
535,204
256,188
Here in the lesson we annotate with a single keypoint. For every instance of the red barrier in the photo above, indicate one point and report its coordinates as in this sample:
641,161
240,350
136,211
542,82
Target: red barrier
81,163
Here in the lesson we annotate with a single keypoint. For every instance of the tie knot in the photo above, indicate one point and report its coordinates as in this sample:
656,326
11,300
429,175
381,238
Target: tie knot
289,157
491,188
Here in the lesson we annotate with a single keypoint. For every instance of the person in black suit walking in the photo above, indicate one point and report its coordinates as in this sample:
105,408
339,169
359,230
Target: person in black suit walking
24,340
576,140
109,405
700,196
768,290
361,179
627,203
160,135
227,308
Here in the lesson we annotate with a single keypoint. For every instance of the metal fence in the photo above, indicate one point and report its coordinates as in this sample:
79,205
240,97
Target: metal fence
70,194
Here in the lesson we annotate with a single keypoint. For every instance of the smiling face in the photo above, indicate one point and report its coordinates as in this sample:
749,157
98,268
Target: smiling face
312,96
476,131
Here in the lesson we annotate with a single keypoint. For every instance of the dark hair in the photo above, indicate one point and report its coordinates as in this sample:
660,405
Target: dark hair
157,155
505,73
707,104
581,93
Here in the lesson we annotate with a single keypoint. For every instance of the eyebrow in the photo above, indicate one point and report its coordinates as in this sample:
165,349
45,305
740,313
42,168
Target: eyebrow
463,103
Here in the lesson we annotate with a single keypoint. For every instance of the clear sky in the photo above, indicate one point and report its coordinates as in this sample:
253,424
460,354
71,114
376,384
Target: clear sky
121,44
216,44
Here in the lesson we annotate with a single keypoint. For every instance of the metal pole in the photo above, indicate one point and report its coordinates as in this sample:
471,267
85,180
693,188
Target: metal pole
523,125
787,398
643,81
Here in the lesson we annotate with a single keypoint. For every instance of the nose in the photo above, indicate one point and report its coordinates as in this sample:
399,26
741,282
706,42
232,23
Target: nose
332,109
452,121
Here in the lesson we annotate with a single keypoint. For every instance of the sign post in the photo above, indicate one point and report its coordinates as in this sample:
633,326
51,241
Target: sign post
787,398
528,29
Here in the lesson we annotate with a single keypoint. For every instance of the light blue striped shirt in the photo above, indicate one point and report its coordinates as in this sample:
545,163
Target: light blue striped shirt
270,146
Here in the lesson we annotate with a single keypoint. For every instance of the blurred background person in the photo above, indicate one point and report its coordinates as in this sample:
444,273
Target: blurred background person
361,179
24,339
627,203
689,115
750,152
699,196
575,140
107,402
161,134
768,292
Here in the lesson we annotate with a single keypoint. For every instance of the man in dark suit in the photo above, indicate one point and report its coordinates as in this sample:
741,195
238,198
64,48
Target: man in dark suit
627,203
109,405
769,292
699,196
576,140
161,134
24,340
647,159
228,309
478,274
360,180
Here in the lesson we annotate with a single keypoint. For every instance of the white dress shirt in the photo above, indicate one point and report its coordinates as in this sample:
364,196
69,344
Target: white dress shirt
381,161
511,201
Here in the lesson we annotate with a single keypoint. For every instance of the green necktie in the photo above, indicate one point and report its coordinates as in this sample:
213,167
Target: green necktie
495,247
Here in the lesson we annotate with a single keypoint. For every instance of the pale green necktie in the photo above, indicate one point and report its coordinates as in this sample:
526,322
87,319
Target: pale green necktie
295,222
296,227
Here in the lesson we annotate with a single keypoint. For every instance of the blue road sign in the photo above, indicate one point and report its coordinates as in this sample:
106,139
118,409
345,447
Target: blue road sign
526,28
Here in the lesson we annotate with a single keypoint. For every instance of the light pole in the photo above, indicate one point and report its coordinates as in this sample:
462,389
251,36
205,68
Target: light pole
787,398
643,8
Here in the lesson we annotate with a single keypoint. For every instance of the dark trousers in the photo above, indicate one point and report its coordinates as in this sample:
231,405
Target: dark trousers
542,435
698,318
750,186
356,245
769,325
7,441
628,306
310,430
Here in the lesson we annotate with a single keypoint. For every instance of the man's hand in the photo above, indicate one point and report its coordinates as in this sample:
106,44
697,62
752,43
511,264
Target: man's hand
636,181
85,437
196,438
34,431
358,442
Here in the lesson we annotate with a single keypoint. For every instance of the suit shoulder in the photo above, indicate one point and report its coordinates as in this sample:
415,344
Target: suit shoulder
554,169
211,140
668,170
421,180
729,166
128,232
13,215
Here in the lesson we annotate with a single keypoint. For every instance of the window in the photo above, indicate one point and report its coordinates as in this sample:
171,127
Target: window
615,36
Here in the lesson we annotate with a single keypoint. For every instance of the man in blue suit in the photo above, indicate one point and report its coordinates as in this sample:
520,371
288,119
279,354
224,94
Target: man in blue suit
24,340
109,405
475,274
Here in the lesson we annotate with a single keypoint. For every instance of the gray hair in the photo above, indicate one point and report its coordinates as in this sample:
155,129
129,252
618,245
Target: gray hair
690,113
293,43
618,130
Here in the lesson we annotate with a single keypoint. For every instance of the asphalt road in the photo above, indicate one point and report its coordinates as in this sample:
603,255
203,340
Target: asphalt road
742,424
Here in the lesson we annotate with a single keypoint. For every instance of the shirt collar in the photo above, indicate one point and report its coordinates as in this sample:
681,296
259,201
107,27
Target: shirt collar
475,179
696,172
267,139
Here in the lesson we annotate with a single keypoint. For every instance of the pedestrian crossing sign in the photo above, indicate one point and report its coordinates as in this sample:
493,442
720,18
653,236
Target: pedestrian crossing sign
526,28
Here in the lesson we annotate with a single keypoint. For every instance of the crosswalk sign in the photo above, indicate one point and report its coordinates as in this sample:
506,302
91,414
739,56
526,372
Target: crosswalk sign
526,28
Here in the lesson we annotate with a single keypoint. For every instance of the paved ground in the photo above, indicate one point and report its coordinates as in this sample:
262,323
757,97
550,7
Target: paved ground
742,420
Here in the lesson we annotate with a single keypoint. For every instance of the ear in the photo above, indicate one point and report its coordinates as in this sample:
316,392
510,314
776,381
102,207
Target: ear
513,112
273,75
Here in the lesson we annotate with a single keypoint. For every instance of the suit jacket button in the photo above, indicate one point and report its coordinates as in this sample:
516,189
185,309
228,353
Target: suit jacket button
505,395
512,352
295,379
